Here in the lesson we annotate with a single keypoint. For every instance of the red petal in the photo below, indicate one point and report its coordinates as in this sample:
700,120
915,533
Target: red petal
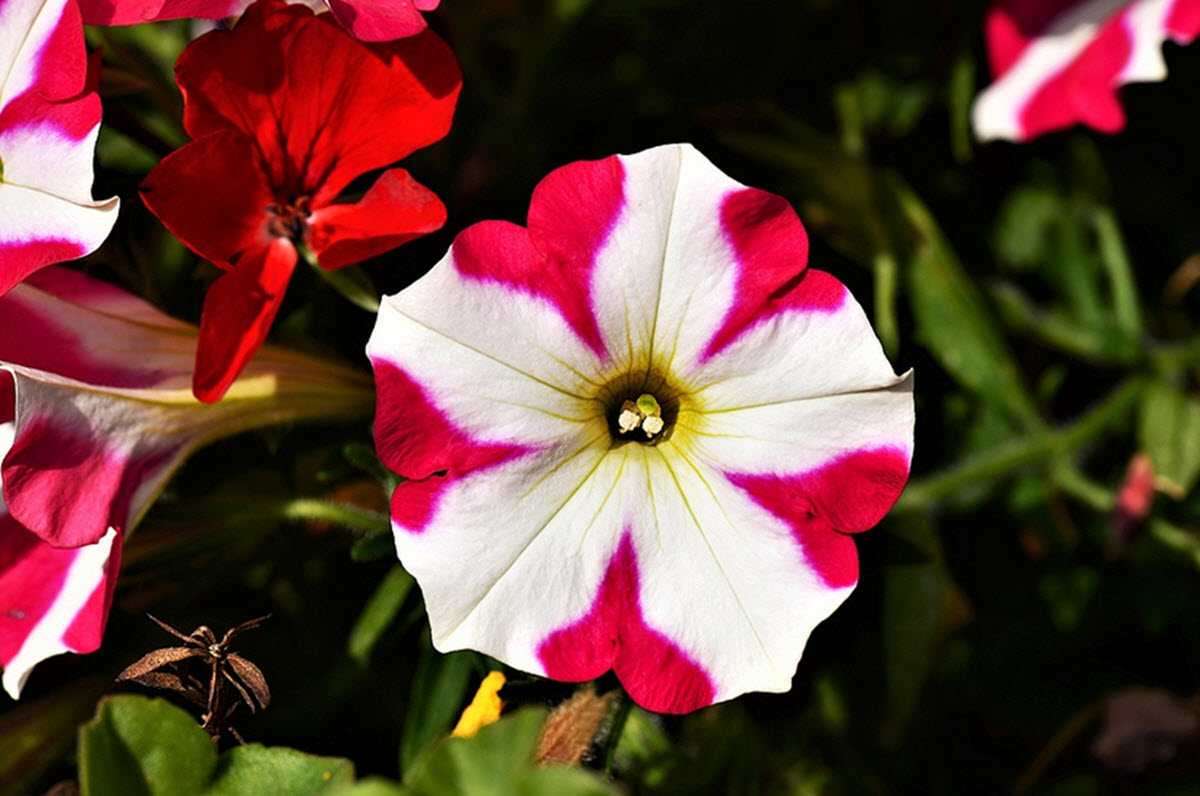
395,210
212,195
364,107
237,315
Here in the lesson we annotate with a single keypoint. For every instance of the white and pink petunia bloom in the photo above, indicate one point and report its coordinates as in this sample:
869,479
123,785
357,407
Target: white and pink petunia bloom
1057,63
49,119
104,414
366,20
54,600
637,433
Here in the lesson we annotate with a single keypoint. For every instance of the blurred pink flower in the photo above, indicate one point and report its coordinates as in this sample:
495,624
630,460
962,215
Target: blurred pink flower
1057,63
103,415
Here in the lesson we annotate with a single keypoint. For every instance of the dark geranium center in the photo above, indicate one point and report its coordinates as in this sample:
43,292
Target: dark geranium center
640,407
289,220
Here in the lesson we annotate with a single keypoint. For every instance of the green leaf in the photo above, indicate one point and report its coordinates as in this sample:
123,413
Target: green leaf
371,786
1169,431
439,692
253,770
137,746
953,319
379,612
498,760
1024,225
643,743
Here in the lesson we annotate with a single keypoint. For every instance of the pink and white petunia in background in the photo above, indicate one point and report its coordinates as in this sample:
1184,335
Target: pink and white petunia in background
366,20
49,119
637,433
1057,63
103,415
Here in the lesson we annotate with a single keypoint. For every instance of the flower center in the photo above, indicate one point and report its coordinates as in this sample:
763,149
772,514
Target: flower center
289,220
640,407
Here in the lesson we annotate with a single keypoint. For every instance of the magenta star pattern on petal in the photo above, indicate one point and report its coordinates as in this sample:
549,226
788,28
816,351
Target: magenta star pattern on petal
637,432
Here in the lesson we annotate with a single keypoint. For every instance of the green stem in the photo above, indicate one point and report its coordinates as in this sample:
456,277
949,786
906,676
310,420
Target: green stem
1120,275
1050,328
620,715
1078,486
962,92
307,509
350,282
1004,460
1176,356
1177,539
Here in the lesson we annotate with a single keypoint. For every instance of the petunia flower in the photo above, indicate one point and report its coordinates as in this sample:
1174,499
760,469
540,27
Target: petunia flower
367,20
637,433
54,600
276,142
1057,63
104,415
49,118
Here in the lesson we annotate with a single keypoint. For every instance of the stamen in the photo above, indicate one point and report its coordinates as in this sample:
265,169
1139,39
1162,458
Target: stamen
630,417
289,220
644,413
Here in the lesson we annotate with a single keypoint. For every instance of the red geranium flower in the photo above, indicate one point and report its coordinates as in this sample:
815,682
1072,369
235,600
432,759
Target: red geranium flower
285,111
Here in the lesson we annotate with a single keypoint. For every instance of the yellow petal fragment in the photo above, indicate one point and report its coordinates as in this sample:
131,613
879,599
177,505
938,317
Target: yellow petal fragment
484,708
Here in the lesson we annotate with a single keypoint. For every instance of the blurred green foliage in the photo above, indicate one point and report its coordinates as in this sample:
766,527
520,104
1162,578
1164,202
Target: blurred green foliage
1045,294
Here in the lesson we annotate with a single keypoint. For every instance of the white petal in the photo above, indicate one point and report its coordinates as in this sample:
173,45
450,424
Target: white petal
29,214
724,579
800,435
516,551
793,355
663,281
519,384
